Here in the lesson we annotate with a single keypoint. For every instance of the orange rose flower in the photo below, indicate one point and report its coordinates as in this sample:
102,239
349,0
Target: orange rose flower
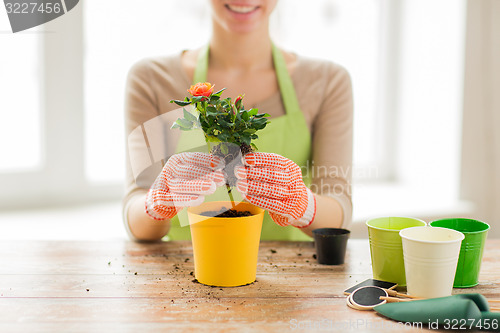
201,89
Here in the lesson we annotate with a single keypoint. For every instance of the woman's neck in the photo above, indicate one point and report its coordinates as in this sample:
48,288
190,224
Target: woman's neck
249,51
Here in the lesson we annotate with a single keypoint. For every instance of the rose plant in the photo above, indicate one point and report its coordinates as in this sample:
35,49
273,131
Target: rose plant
227,125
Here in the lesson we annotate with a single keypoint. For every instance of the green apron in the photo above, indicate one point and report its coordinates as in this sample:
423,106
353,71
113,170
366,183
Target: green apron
287,135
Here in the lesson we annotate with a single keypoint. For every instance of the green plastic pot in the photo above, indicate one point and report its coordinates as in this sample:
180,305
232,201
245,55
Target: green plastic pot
386,248
471,251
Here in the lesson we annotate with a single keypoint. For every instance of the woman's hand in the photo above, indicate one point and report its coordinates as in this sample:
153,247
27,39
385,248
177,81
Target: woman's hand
274,182
184,181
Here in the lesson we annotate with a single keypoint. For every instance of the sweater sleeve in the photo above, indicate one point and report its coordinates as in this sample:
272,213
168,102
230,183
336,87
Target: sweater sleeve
332,140
141,105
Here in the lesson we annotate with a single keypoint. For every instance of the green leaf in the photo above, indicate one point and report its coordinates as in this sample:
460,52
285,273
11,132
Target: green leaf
211,138
211,111
224,123
224,103
184,124
259,126
260,115
254,146
210,121
223,136
260,121
204,122
174,125
189,116
219,92
233,115
246,139
245,116
253,112
197,99
180,103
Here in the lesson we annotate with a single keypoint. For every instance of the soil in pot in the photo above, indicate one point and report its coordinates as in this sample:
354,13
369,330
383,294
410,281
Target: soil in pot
224,212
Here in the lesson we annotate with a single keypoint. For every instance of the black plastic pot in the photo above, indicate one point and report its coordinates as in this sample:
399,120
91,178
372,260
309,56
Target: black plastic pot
331,245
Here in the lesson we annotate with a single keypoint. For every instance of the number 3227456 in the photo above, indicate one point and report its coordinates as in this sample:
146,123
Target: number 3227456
461,324
33,8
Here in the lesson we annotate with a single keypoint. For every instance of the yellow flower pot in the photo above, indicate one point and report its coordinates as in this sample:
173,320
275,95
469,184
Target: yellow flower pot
225,249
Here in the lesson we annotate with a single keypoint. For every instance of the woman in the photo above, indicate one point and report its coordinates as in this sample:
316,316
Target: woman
310,103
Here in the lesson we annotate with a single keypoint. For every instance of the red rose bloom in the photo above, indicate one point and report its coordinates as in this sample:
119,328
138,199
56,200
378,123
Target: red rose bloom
201,89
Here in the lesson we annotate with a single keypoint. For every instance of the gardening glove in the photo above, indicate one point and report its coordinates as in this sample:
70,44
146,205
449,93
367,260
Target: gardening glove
274,182
184,181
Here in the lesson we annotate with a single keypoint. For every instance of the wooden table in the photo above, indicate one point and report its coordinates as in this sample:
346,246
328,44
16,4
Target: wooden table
124,286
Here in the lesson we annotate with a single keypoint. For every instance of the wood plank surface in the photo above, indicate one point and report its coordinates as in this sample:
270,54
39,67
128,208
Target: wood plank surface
56,286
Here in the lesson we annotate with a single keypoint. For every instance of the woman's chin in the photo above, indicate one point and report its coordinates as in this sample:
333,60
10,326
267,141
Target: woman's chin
243,28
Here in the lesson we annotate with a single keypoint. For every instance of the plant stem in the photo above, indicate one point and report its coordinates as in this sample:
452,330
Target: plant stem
227,185
230,196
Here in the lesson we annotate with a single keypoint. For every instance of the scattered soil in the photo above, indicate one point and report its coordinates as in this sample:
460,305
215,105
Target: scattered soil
226,213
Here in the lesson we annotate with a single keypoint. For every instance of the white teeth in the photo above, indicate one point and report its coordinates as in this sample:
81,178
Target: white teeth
241,9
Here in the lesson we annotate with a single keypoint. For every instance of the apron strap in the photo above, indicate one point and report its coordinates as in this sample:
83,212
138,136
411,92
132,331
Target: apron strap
200,72
285,83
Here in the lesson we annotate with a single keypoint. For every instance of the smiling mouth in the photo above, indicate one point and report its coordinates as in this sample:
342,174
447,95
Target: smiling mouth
241,9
